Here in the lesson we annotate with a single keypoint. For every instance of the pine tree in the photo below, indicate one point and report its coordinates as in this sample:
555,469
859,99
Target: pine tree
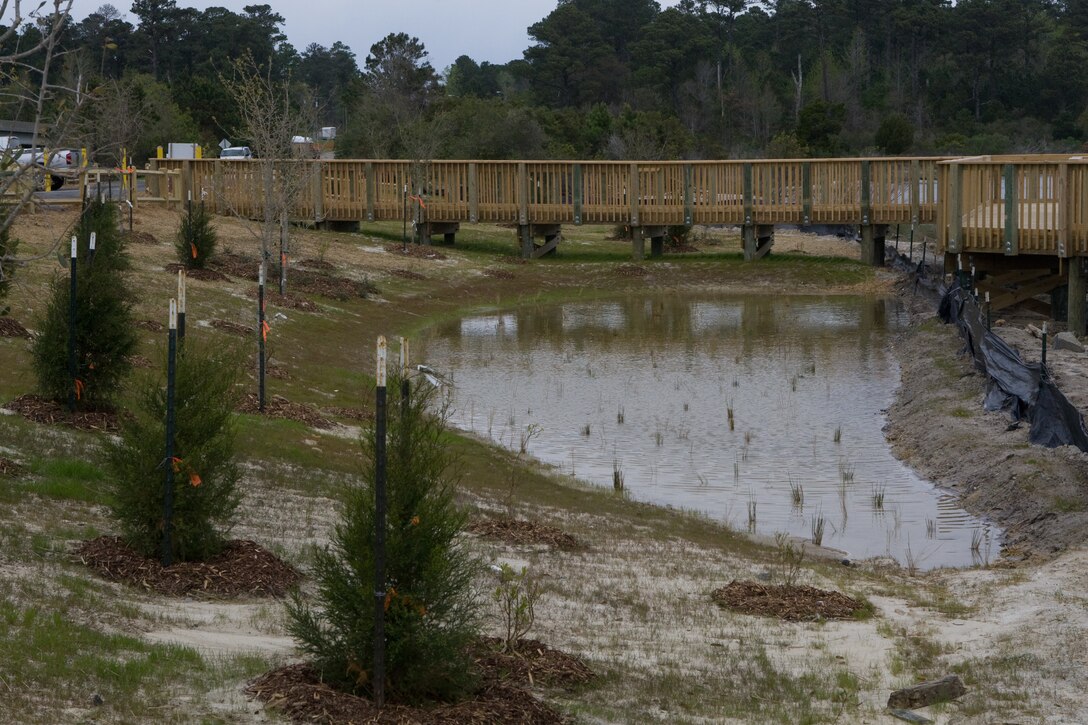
430,614
206,477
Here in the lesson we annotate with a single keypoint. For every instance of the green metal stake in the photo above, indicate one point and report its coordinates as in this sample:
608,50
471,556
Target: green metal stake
73,371
1043,360
168,486
379,528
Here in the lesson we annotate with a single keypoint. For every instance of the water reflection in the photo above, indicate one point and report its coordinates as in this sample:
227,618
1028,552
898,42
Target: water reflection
730,405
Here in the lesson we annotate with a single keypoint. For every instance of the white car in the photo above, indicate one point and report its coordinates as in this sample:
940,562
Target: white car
236,152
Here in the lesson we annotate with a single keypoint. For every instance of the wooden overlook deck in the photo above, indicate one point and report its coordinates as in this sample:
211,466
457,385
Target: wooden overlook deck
989,209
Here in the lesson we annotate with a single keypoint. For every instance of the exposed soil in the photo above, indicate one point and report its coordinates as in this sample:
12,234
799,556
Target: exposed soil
417,251
49,412
406,274
149,325
279,407
297,691
140,361
1039,496
203,274
327,285
242,569
9,467
321,264
277,373
519,531
10,327
792,602
630,270
233,328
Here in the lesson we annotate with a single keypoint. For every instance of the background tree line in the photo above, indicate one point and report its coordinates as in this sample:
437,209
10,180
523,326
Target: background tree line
617,79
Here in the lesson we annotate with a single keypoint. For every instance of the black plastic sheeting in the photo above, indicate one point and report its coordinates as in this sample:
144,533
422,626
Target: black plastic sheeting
1023,390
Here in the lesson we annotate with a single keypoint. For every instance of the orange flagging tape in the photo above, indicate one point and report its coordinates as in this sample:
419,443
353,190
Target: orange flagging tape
264,331
79,389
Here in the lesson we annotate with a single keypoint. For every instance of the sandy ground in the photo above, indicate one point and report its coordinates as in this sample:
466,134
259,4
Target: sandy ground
637,606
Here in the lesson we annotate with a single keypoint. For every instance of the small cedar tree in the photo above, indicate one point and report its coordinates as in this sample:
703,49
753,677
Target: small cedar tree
430,611
196,238
206,476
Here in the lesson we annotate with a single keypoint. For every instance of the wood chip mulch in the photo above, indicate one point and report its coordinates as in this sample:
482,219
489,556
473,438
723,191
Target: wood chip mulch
406,274
139,237
149,325
232,327
10,327
236,265
674,247
277,373
795,603
48,412
289,301
518,531
327,285
417,251
297,691
499,274
279,407
531,663
242,569
9,467
203,274
631,270
358,414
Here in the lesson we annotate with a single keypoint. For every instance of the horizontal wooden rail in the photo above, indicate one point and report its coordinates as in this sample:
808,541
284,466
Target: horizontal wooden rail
803,191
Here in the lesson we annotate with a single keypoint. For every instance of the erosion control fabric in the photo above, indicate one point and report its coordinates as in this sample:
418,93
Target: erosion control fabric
1023,390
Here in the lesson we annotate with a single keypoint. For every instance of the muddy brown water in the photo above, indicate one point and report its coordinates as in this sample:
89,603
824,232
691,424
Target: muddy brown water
643,386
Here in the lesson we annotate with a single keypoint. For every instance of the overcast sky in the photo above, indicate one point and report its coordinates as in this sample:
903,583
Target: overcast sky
491,30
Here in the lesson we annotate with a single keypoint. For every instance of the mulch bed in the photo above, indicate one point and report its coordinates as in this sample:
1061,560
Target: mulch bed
358,414
9,467
531,663
10,327
297,691
290,301
232,327
631,270
241,569
417,251
674,247
40,410
279,407
277,373
516,531
327,285
150,325
206,275
406,274
236,265
499,274
139,237
795,603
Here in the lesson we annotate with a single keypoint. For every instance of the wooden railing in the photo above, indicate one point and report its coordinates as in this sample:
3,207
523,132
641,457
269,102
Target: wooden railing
817,191
1015,205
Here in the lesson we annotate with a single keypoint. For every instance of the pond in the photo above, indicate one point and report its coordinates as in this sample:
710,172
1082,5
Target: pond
761,411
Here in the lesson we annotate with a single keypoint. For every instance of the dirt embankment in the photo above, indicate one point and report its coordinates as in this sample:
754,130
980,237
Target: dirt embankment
1039,496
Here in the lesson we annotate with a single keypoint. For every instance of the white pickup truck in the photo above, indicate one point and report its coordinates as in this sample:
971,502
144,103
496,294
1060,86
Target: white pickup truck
13,154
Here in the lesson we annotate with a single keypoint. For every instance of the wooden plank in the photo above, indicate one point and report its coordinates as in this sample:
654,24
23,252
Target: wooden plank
1065,208
576,192
806,192
955,210
1026,292
866,193
749,204
371,190
689,196
317,186
548,246
473,194
523,194
915,184
632,194
1012,229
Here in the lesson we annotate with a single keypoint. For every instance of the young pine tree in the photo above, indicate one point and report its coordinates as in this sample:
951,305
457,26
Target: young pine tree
105,337
205,475
196,238
8,246
430,613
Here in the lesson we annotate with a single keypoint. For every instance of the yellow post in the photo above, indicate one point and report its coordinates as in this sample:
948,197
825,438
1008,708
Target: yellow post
199,152
124,168
159,152
83,160
48,182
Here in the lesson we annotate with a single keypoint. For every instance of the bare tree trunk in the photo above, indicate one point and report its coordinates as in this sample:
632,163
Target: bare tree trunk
799,83
283,250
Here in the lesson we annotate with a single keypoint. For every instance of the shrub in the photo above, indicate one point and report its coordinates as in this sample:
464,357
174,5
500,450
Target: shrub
105,337
196,238
895,135
206,477
516,595
430,615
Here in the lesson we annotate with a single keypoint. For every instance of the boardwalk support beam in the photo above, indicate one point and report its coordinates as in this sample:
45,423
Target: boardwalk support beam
657,239
873,237
551,233
425,231
757,240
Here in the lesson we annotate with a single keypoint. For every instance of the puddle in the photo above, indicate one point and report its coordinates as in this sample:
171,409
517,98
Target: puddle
644,385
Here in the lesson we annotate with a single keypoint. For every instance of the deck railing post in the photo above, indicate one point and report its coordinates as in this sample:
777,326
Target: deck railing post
576,192
632,194
473,194
806,192
1012,223
371,190
955,210
689,196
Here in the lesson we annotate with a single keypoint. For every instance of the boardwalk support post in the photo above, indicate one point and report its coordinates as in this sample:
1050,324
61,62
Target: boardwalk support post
873,237
1077,316
638,244
657,239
